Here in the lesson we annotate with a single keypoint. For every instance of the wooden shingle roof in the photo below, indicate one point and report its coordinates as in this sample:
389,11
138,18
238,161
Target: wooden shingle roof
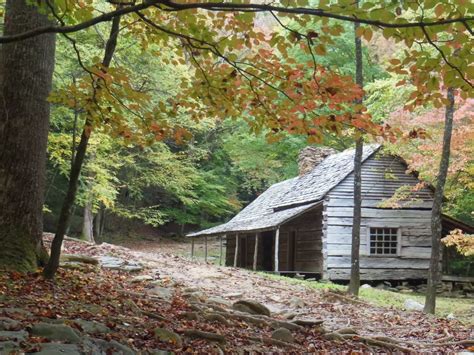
288,199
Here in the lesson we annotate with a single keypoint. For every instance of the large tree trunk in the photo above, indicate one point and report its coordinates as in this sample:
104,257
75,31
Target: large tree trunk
434,273
357,214
27,69
53,264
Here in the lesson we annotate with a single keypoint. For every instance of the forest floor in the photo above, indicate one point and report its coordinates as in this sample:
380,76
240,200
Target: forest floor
177,304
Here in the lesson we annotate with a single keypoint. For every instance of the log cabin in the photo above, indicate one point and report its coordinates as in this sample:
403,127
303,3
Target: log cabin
304,224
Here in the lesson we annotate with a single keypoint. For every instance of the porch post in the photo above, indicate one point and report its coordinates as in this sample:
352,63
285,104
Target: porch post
205,248
277,244
220,249
255,253
236,249
192,247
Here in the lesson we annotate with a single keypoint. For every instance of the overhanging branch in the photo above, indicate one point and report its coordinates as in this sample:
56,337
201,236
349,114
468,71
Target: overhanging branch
167,5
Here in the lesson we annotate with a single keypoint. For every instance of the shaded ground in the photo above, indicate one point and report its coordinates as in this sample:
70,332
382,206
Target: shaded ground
185,296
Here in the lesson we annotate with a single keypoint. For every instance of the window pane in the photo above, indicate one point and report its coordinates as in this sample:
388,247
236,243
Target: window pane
383,241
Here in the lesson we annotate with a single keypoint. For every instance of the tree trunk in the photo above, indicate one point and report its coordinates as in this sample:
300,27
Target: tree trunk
357,214
27,69
88,223
53,264
98,225
434,273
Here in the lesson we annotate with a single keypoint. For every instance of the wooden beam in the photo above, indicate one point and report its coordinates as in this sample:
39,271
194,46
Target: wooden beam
236,249
192,247
220,249
255,253
277,242
205,248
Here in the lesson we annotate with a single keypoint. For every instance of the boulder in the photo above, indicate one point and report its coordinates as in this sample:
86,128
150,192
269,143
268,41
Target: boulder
100,346
214,317
19,335
91,327
413,305
141,278
168,336
77,258
283,334
15,312
233,295
9,347
308,322
196,296
59,349
9,324
189,315
297,302
161,292
252,307
219,301
55,332
365,286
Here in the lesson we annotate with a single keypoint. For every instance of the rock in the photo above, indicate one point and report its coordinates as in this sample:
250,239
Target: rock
450,316
91,327
161,292
406,291
160,352
168,336
196,296
189,315
252,307
283,334
308,322
194,333
214,317
233,295
289,315
219,301
19,335
365,286
141,278
100,346
9,324
7,347
297,302
85,259
413,305
111,262
114,263
58,349
132,267
287,325
70,265
55,332
191,289
14,312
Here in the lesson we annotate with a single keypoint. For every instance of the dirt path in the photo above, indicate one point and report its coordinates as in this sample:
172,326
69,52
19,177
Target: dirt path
285,299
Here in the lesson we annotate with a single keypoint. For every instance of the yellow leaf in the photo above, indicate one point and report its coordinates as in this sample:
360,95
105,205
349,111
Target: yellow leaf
368,34
360,31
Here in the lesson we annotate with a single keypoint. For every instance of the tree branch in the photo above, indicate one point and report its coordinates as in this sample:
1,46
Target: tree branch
221,6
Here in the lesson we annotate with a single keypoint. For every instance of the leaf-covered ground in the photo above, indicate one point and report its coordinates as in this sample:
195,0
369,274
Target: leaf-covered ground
200,292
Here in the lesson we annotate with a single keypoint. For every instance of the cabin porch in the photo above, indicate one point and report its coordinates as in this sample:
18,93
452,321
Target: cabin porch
294,247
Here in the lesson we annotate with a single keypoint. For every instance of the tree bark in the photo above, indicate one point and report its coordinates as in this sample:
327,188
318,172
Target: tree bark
436,228
354,283
27,69
88,223
53,264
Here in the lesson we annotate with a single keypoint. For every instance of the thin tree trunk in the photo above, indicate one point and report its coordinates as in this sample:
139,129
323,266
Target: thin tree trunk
88,223
26,75
53,264
434,273
98,225
354,283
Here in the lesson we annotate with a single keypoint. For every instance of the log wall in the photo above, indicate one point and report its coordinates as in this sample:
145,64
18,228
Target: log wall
381,177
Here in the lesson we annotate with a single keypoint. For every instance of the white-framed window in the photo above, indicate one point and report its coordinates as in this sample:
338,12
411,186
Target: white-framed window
384,241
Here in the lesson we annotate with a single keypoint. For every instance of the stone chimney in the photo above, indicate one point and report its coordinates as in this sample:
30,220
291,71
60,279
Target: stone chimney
309,157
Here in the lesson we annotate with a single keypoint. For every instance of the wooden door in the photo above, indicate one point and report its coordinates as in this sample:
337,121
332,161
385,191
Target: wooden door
243,251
